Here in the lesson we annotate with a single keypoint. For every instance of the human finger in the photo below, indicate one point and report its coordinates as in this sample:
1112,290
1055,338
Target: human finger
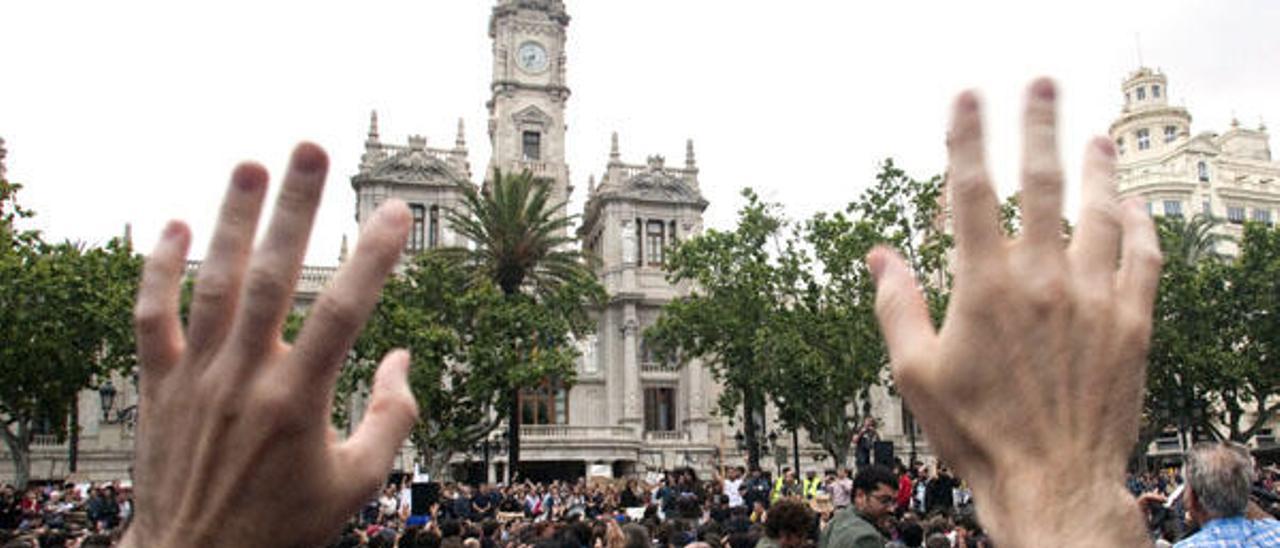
339,313
1140,262
1041,197
390,416
274,266
974,200
156,323
217,288
902,313
1095,248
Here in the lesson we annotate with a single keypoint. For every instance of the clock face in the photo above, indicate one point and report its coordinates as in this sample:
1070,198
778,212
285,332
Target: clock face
532,57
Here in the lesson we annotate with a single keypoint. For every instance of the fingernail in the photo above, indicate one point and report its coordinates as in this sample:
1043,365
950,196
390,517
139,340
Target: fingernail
172,229
249,176
1044,89
309,158
1105,146
967,101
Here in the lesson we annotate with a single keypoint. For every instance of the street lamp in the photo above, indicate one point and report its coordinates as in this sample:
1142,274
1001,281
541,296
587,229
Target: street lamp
107,397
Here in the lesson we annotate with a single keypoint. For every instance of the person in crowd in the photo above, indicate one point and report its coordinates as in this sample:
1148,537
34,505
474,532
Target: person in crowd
788,525
904,488
940,492
875,490
864,442
841,488
1219,479
732,488
757,489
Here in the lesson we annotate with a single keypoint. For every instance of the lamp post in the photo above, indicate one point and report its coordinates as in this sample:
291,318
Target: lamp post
107,397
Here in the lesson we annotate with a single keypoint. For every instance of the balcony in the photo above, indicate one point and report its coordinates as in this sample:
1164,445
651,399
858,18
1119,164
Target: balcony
659,369
575,433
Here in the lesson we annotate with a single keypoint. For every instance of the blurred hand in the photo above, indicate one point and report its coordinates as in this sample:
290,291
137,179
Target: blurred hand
1033,387
234,442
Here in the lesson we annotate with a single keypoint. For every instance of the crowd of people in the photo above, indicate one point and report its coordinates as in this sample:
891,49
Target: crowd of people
83,515
908,507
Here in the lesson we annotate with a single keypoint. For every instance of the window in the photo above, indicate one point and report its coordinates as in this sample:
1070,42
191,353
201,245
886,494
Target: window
1170,133
1144,139
1155,91
548,403
433,235
654,242
1202,169
1235,215
659,409
1142,93
1120,146
1262,216
419,222
532,146
1172,208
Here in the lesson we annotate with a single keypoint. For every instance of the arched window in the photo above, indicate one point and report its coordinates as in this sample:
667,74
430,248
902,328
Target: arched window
1202,169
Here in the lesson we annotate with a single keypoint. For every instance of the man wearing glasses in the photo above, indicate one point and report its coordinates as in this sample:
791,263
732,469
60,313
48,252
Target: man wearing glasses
875,491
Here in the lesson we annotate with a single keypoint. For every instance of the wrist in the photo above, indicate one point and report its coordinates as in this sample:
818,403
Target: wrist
1050,509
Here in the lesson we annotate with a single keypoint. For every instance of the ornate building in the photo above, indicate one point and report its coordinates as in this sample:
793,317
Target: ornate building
1228,176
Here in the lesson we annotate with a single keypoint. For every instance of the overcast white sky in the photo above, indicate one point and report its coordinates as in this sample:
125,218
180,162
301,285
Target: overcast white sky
135,111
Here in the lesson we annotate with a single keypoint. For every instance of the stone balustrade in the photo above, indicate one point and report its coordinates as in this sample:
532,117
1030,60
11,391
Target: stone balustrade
565,432
665,436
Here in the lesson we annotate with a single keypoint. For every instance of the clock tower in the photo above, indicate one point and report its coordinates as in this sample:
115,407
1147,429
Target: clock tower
526,108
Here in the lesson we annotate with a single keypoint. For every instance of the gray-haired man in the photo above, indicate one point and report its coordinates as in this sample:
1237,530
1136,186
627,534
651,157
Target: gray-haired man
1218,480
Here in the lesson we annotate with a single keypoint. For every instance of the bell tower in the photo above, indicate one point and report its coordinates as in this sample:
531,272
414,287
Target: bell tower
529,91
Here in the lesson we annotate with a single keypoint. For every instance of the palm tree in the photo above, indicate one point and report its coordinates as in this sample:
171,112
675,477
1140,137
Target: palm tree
1191,241
522,244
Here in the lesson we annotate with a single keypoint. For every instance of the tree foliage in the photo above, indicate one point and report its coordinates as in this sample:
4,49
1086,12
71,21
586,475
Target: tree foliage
828,352
725,320
1212,367
65,324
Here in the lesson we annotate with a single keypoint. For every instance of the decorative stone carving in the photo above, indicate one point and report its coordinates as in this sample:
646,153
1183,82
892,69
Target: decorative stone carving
628,242
587,347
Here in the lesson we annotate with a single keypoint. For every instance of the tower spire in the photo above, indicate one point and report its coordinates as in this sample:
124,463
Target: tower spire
461,142
373,126
690,160
342,251
591,184
614,154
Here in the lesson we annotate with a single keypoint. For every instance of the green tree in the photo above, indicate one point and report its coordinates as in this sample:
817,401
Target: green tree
65,323
725,320
522,245
464,338
828,352
1248,395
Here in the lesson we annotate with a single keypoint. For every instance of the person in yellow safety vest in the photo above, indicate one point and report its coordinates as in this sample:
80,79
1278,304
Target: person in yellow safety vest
811,485
786,486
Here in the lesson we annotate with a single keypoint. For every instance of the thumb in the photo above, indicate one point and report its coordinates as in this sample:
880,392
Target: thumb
388,420
901,310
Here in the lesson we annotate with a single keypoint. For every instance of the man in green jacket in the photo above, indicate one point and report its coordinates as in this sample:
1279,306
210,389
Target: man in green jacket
874,494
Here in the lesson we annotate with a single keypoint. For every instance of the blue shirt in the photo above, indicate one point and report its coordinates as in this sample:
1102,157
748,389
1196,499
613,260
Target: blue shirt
1236,532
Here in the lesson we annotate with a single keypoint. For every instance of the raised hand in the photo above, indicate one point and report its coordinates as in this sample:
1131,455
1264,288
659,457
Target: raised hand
1033,386
234,446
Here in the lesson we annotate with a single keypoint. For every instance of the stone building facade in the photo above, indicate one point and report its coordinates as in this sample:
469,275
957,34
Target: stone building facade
1229,176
